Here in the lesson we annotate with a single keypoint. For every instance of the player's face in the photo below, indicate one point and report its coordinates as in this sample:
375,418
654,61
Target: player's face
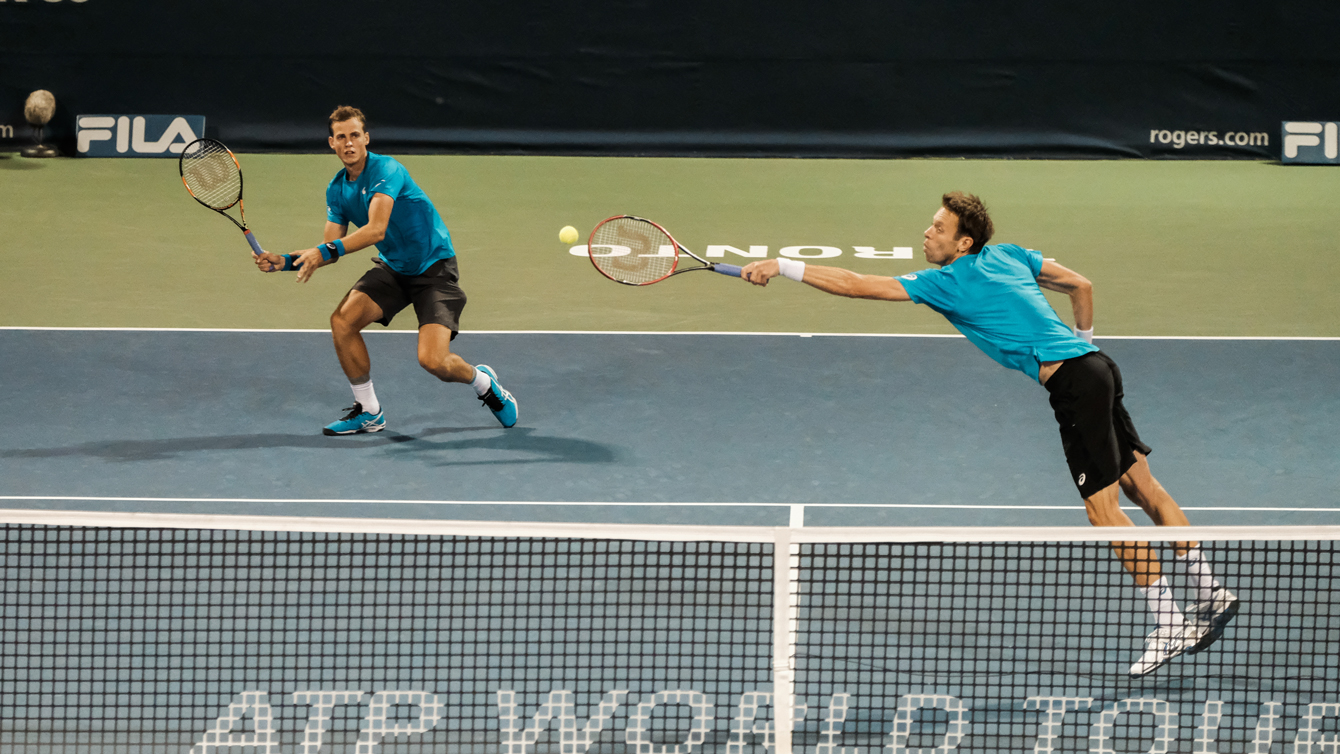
350,141
940,245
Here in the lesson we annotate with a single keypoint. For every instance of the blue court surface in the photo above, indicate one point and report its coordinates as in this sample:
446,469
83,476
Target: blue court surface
731,429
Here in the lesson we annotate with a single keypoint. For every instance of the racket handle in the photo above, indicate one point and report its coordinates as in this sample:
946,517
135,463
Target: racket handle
255,245
726,269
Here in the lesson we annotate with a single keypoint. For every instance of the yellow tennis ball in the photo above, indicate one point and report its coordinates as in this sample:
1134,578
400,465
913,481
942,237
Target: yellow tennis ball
568,234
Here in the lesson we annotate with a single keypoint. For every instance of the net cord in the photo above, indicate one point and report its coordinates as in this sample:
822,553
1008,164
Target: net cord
662,532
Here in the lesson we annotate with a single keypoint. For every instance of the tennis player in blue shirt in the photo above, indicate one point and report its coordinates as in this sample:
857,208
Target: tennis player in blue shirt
416,265
992,294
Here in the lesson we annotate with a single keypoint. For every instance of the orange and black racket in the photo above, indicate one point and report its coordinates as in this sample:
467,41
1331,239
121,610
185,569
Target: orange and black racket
214,177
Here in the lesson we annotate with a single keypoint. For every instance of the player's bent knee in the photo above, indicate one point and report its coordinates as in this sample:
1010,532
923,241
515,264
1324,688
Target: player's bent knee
1104,508
344,323
1129,486
436,359
1101,518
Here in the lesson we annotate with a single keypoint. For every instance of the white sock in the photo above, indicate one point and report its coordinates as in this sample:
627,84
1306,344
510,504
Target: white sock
364,394
1162,604
1199,574
481,383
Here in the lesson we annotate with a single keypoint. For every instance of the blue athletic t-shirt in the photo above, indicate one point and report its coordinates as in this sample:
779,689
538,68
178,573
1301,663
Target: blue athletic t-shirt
415,237
993,298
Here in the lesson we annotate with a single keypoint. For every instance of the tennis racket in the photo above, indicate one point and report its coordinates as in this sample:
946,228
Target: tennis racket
635,251
214,178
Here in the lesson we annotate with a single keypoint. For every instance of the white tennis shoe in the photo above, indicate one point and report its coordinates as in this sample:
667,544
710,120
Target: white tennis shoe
1212,615
1163,645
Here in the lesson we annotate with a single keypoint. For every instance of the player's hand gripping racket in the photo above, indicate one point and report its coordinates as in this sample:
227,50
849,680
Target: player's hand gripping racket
214,178
635,251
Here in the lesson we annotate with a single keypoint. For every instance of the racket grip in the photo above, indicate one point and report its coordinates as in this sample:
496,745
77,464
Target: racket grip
255,245
726,269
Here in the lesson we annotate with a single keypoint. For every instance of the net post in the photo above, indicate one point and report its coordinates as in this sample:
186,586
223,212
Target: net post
785,566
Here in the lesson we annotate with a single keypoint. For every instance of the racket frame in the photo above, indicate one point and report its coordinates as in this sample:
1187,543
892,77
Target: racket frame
241,207
725,269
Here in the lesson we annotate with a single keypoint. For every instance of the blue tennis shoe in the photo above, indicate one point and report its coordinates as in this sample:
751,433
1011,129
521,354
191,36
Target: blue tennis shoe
357,422
499,401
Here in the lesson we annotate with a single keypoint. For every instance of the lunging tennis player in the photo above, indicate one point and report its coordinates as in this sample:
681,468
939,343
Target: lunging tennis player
416,265
993,295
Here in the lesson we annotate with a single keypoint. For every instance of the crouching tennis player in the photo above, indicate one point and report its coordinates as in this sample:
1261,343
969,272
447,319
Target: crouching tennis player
417,265
993,295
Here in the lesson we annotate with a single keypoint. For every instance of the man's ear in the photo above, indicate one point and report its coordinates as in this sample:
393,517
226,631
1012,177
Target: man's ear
965,243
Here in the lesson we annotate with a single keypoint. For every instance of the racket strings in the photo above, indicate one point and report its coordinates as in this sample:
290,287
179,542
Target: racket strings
211,174
632,250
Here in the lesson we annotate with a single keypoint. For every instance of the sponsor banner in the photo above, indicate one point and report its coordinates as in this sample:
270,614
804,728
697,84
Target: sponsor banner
136,135
1162,139
1309,142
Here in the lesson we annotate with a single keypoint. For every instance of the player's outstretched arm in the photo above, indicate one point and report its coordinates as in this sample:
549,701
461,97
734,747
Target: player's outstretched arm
834,280
1055,277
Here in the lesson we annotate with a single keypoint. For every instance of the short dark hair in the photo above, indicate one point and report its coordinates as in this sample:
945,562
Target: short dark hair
343,113
973,220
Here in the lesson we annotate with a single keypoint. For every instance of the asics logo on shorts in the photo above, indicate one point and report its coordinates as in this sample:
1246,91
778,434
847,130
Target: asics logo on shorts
1080,481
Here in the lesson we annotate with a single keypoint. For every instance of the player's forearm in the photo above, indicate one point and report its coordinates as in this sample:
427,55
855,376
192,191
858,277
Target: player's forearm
360,239
1055,277
841,282
1081,303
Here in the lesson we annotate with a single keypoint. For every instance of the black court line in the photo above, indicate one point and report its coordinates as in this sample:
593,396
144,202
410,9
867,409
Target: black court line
845,426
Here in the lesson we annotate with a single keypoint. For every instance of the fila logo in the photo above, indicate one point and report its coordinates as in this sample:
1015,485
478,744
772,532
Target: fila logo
1311,142
137,135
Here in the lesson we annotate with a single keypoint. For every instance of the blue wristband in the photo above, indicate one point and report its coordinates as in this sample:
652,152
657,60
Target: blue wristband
332,251
288,262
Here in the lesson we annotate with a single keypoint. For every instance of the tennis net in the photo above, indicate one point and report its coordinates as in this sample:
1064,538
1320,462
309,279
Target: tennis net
205,635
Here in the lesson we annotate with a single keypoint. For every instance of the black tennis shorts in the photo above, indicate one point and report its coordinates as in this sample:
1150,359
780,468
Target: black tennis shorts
436,297
1097,434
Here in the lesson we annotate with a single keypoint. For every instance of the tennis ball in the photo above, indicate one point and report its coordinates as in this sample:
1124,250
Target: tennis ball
568,234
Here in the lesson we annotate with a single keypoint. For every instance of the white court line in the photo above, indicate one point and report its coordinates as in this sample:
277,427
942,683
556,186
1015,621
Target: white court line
664,332
608,504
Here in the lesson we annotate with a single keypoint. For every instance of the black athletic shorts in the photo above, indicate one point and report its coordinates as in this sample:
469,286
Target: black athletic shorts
1096,432
436,297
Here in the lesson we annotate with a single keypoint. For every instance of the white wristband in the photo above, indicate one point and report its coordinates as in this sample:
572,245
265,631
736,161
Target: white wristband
790,268
1087,335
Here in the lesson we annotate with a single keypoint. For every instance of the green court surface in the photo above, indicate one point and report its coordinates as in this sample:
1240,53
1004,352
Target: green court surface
1173,247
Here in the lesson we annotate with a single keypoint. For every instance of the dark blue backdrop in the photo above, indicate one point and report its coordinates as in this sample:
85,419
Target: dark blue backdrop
695,76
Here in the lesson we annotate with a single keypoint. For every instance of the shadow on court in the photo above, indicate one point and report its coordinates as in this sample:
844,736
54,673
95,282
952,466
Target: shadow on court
540,448
10,162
